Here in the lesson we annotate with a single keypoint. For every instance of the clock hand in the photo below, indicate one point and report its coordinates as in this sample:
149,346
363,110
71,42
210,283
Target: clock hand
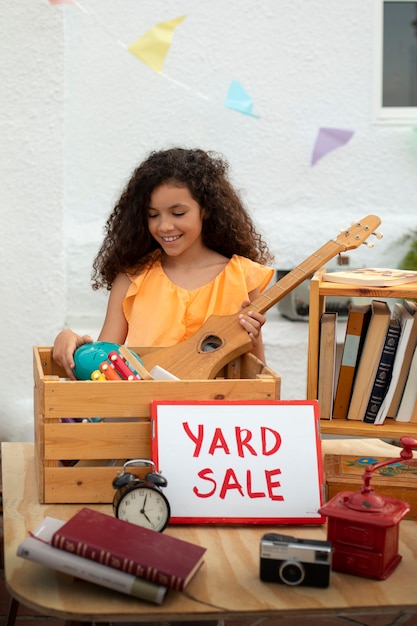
147,518
143,511
143,506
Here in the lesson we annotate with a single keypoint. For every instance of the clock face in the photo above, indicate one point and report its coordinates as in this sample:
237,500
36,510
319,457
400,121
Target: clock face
143,506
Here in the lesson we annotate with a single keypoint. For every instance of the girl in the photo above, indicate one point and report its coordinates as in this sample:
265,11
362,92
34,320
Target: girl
179,246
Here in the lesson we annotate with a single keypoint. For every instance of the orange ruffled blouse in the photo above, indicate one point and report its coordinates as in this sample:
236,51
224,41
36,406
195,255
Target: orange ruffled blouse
159,313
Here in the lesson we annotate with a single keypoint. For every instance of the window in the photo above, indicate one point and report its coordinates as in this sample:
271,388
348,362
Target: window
396,69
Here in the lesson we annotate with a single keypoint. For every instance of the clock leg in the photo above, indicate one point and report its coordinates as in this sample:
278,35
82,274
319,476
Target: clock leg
12,612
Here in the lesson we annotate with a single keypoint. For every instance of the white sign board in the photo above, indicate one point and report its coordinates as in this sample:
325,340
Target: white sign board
251,462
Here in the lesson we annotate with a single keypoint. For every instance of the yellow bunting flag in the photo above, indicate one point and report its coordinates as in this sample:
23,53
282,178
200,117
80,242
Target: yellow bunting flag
154,45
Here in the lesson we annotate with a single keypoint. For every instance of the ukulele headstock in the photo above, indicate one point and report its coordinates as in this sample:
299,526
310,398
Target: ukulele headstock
359,232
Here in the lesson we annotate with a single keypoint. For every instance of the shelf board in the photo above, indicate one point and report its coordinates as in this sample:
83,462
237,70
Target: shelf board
408,290
353,428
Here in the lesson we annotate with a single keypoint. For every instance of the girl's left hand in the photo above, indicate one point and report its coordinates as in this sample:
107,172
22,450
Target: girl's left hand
252,322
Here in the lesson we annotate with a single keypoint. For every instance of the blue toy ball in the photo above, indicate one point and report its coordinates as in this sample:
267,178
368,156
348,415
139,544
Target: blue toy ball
88,357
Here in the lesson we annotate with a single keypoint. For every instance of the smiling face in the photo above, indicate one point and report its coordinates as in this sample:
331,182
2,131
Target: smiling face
175,220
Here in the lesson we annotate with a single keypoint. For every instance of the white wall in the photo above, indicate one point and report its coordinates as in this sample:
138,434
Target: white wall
32,263
78,112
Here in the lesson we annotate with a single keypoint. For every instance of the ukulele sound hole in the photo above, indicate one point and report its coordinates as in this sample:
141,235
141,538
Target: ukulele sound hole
210,343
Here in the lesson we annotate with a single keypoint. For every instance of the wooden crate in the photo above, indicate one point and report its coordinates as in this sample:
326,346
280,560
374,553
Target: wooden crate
95,450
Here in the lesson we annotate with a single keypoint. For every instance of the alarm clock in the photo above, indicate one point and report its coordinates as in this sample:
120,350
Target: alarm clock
140,500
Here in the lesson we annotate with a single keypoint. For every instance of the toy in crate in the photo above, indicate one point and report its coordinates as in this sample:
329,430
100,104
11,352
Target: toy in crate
102,360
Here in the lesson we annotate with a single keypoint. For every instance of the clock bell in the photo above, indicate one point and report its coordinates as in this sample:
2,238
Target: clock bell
363,526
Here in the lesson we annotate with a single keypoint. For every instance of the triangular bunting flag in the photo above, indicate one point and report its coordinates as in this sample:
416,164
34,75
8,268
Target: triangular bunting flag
153,47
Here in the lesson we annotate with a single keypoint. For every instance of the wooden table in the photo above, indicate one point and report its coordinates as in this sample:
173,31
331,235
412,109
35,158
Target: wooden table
227,586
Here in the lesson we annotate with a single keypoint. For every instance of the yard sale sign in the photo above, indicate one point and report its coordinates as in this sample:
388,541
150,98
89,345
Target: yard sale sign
240,462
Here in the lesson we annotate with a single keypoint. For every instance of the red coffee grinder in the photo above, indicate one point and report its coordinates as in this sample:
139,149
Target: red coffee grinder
363,526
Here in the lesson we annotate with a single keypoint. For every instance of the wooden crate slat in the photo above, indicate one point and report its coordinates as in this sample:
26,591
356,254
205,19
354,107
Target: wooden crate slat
79,484
113,399
97,440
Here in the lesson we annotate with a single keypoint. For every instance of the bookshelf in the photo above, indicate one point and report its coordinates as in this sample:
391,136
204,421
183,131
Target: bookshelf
319,290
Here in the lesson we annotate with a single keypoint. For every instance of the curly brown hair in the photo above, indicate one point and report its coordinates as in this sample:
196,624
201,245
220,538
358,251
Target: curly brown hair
227,226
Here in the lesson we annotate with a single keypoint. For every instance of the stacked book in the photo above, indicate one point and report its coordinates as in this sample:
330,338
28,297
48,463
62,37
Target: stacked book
114,553
376,375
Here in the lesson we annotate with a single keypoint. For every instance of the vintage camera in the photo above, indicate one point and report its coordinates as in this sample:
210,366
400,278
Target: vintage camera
294,561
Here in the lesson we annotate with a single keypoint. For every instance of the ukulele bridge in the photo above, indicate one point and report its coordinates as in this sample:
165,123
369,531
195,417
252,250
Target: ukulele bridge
210,343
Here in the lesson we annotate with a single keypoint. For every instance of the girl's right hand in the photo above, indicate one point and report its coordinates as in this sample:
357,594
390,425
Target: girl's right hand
65,345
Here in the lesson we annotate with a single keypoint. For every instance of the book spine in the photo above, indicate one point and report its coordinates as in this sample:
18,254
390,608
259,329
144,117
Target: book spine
346,375
111,560
355,329
410,393
327,363
411,307
413,415
384,372
399,372
43,553
369,359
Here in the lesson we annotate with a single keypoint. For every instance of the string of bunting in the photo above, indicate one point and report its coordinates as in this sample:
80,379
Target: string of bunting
152,49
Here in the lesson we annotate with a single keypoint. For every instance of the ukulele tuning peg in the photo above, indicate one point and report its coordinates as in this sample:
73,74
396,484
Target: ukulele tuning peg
369,244
378,235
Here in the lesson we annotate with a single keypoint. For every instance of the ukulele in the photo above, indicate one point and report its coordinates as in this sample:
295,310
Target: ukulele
221,338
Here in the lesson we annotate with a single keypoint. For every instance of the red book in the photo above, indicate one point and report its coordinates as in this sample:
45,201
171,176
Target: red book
125,546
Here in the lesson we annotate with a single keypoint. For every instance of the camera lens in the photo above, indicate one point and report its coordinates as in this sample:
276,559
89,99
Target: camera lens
292,572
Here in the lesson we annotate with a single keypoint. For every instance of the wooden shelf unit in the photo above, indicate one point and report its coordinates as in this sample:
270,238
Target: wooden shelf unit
319,290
